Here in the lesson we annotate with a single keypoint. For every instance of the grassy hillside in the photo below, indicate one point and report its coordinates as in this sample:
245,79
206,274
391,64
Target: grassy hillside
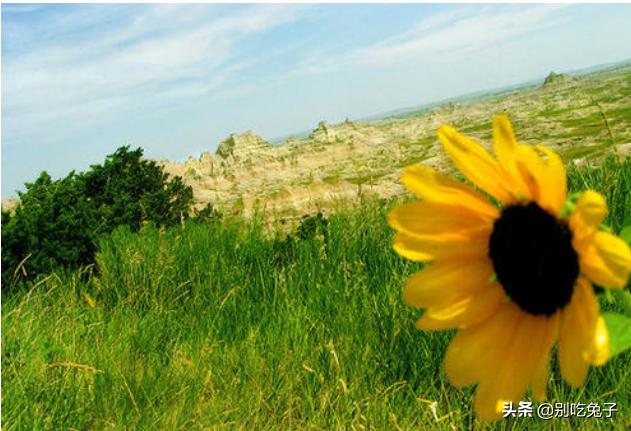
224,326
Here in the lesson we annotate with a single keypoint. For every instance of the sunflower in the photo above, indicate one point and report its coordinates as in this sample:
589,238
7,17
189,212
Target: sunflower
514,280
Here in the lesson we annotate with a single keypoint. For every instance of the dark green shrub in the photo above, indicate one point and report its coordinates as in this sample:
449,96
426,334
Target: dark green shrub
58,221
283,250
208,214
310,226
128,190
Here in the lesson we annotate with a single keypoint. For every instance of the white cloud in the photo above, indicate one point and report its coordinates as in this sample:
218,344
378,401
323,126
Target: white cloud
20,8
443,37
159,56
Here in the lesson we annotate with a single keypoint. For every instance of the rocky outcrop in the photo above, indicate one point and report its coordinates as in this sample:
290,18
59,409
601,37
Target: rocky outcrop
346,161
322,133
243,146
343,162
292,143
558,78
344,132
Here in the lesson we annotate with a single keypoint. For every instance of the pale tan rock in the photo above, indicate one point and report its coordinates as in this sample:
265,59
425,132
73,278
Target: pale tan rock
343,162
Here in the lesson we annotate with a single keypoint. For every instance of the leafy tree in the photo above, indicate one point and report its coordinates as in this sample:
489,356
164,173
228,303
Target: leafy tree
51,228
129,190
58,221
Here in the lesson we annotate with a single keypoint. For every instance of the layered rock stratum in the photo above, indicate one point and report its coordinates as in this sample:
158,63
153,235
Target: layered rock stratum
583,118
339,163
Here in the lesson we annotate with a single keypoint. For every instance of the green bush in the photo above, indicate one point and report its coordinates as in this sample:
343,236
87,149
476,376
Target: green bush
127,190
310,226
58,221
208,214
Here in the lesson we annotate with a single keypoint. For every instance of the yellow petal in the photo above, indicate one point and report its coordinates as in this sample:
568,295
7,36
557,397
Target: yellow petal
539,382
606,260
591,207
464,312
416,249
504,142
473,348
435,187
545,178
590,211
582,340
532,171
554,192
505,148
477,164
542,180
447,282
422,250
428,220
508,379
600,353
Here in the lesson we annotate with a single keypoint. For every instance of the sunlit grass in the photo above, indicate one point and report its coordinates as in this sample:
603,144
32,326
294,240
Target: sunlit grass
224,326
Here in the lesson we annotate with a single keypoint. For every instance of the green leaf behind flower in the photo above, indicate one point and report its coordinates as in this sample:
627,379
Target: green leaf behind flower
619,327
625,233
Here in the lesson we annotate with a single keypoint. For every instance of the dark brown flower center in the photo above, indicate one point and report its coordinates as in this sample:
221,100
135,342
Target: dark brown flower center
533,258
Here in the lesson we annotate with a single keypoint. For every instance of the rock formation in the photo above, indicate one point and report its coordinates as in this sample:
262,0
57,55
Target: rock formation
344,162
242,146
558,78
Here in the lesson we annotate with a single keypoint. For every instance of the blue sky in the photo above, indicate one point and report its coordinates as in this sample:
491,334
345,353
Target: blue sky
78,81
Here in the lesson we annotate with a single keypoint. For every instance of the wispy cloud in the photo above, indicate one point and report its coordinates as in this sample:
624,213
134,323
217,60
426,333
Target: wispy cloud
442,37
20,8
79,80
160,55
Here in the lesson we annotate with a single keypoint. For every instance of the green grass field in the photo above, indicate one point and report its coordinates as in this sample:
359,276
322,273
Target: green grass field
224,326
